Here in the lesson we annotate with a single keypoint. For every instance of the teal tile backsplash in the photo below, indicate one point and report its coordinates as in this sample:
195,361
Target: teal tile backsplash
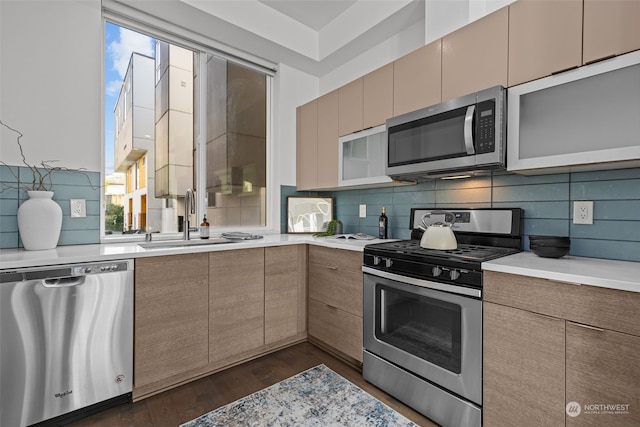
66,185
547,201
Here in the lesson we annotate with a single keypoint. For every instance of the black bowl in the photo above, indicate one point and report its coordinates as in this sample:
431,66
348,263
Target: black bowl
549,251
556,241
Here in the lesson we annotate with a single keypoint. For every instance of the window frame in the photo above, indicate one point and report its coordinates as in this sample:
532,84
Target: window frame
183,38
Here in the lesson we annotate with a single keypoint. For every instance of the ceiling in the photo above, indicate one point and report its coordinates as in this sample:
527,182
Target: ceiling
315,36
315,14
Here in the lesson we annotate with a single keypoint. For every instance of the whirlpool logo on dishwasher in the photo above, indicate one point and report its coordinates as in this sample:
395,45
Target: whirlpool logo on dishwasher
63,394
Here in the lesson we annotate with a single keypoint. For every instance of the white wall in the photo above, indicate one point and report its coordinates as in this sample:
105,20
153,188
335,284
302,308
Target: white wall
50,81
445,16
291,88
388,51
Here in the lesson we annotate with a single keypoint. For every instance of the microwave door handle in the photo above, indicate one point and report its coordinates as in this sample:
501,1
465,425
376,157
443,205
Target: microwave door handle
468,130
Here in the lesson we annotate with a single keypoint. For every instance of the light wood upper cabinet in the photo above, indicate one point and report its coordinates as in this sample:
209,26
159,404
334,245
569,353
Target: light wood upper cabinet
611,27
307,145
351,107
475,56
378,96
417,79
285,292
523,367
236,302
545,37
171,318
603,367
327,148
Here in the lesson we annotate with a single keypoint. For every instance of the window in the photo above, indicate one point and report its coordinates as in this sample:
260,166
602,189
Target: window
179,117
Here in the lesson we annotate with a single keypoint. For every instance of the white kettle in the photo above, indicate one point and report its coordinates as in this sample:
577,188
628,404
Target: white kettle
438,235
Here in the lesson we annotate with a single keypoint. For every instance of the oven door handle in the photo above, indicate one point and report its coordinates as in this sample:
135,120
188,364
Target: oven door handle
459,290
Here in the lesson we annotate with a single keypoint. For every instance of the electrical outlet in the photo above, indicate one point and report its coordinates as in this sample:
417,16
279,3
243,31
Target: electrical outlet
78,208
583,212
363,211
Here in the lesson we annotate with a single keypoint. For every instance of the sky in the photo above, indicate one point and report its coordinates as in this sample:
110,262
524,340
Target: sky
120,43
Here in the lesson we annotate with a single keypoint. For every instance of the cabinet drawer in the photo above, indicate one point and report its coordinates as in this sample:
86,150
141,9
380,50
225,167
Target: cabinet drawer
337,328
336,287
591,305
341,259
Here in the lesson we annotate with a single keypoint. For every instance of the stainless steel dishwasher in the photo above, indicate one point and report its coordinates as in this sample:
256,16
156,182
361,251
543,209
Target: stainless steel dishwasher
66,340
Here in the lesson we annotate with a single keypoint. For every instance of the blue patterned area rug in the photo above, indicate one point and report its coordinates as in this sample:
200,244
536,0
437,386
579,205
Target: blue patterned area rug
316,397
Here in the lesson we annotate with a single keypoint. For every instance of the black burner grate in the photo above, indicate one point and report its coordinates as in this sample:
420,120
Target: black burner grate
463,252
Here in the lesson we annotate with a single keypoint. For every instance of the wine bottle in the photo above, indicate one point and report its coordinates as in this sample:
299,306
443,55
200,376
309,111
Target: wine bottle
382,224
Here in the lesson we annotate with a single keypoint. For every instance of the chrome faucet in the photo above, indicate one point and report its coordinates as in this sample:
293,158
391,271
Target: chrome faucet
189,208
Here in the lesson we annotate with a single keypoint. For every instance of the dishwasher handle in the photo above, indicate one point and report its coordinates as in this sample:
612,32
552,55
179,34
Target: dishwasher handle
63,282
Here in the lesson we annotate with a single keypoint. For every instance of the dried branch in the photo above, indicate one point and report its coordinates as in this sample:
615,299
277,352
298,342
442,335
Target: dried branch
42,179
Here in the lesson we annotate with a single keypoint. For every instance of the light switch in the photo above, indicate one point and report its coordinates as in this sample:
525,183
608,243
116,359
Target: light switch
78,208
363,211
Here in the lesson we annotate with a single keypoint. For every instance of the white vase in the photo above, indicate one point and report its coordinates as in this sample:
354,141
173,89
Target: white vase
39,221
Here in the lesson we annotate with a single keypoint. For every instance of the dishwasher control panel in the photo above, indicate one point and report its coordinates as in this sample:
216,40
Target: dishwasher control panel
99,268
59,271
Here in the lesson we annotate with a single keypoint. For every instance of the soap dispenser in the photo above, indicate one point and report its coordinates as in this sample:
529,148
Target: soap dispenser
204,228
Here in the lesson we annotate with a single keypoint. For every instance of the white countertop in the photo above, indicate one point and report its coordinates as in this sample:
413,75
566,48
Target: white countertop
17,258
622,275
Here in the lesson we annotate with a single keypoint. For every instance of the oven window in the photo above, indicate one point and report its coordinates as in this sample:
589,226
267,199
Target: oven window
424,327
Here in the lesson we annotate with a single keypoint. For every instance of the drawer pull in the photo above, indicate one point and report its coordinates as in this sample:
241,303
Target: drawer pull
331,267
588,327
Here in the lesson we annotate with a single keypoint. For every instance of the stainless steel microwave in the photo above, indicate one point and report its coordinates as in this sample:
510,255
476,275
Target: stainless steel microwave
461,136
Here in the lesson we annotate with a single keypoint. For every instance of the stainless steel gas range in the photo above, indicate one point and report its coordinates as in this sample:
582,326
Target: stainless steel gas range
423,313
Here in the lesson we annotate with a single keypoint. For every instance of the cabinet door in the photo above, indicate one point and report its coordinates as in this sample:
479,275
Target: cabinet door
351,107
603,368
337,328
611,27
326,154
307,146
378,96
544,37
475,56
417,79
171,317
236,302
523,368
285,273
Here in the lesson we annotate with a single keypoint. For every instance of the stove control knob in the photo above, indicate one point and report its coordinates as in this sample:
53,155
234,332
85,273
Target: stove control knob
454,274
376,260
388,262
436,271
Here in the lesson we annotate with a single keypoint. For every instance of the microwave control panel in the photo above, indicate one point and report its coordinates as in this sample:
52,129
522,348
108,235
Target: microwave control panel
485,127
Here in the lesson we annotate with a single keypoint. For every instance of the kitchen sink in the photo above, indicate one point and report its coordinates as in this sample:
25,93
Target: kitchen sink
164,244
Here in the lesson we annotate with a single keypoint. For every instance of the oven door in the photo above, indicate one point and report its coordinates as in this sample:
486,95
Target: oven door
426,328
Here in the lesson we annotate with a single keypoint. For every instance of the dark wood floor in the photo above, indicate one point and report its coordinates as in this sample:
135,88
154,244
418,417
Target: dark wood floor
189,401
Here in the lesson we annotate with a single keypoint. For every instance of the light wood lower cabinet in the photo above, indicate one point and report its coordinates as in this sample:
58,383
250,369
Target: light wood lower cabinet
236,302
523,369
603,368
285,292
198,313
335,299
529,322
171,318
